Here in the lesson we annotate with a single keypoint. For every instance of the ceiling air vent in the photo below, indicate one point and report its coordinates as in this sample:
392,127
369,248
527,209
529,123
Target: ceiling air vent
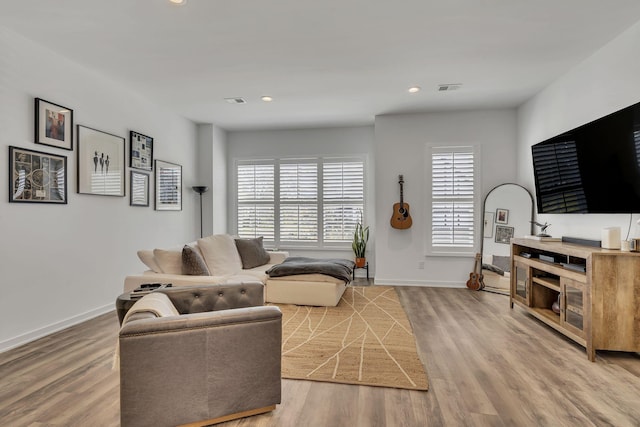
235,100
449,86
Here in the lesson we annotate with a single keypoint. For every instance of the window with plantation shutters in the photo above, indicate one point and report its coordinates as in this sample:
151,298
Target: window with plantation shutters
256,200
300,202
343,199
452,197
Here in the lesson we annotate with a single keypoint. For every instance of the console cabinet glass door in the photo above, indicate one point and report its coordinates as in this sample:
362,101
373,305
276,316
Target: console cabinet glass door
573,306
520,283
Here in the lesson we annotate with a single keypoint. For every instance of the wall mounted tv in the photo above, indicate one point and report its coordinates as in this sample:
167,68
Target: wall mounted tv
594,168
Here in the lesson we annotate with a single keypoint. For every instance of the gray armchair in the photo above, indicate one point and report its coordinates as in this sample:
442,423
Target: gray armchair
219,359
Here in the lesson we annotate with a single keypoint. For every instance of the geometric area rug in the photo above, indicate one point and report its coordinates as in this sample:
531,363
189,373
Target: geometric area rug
365,340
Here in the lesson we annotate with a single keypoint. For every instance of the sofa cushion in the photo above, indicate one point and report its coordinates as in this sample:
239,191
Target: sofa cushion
170,259
192,262
147,258
220,254
252,252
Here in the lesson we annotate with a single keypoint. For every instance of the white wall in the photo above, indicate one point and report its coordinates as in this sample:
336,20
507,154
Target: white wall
61,264
212,172
605,82
400,149
307,142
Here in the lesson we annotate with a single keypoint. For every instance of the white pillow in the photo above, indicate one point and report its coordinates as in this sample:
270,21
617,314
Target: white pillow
147,258
170,260
221,255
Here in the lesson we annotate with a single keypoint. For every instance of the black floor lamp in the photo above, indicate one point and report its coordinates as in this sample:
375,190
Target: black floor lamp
200,189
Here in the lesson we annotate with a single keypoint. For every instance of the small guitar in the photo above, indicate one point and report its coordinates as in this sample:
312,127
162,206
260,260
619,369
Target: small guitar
476,279
401,217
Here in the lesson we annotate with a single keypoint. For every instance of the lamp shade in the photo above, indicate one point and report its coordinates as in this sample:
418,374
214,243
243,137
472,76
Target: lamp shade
200,189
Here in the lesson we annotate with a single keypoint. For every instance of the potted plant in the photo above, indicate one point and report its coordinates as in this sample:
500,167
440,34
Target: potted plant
359,244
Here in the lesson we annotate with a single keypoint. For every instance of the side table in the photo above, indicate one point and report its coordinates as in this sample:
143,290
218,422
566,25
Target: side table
366,266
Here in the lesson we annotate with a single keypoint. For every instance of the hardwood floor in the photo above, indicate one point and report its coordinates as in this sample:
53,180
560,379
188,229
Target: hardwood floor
487,366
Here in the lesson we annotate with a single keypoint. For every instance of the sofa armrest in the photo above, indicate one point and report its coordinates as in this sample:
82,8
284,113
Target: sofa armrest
278,256
198,299
196,321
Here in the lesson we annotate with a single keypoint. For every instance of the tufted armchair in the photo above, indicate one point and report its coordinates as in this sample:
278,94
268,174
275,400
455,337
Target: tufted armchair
217,359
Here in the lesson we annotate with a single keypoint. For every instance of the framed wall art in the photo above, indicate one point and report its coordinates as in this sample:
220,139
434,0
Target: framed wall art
502,216
54,124
140,151
168,184
488,225
100,163
37,177
503,234
139,194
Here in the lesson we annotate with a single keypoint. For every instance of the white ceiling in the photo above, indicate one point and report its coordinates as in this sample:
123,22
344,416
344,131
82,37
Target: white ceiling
325,62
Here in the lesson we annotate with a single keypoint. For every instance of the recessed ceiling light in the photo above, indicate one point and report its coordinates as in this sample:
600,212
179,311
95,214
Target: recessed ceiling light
414,89
178,2
267,98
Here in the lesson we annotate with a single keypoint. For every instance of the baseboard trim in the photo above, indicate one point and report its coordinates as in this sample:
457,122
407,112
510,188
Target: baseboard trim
54,327
426,283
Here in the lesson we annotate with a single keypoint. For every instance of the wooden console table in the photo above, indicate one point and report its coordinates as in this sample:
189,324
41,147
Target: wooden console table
599,303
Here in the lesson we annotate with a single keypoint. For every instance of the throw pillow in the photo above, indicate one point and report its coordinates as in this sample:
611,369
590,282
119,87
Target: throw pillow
220,254
502,262
192,262
252,252
147,258
169,260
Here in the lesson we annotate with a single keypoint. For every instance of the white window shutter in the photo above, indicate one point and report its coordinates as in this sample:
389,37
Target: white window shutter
306,202
453,199
256,207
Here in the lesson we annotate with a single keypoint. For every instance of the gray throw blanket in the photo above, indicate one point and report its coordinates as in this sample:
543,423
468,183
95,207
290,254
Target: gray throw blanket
335,267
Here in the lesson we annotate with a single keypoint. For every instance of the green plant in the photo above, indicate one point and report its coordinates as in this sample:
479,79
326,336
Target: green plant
360,239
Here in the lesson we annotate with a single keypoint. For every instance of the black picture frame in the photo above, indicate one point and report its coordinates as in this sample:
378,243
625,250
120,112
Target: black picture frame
502,216
139,191
53,124
140,151
101,163
168,186
37,177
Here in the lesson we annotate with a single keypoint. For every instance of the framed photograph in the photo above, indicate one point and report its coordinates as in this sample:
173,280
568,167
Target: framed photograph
502,216
37,177
488,225
503,234
139,194
100,163
168,186
54,125
140,151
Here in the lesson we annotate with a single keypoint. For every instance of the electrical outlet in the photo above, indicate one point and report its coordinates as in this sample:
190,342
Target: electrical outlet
420,265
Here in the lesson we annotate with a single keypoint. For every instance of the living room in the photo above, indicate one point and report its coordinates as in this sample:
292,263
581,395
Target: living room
63,265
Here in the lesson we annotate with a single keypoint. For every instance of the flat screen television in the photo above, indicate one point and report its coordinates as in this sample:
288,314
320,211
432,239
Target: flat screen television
594,168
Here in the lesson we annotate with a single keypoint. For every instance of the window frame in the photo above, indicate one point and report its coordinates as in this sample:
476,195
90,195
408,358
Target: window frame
277,243
452,251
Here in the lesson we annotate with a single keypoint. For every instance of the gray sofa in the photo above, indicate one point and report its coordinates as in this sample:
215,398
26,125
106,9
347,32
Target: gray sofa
217,357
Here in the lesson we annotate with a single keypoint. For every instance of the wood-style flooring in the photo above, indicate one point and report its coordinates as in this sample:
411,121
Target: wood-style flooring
487,366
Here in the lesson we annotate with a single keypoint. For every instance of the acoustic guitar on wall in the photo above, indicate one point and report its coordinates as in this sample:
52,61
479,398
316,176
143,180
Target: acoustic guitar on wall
476,278
401,218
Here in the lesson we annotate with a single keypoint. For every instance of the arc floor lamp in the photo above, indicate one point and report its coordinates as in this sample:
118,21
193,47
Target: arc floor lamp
200,189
